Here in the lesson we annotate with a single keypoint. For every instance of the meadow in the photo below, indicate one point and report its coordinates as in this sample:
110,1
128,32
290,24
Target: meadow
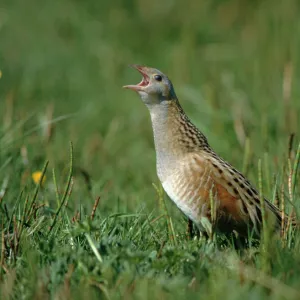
82,213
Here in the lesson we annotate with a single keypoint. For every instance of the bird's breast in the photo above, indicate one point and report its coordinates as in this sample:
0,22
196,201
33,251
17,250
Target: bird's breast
189,185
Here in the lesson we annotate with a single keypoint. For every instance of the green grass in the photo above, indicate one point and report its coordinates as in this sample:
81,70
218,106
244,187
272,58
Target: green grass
235,66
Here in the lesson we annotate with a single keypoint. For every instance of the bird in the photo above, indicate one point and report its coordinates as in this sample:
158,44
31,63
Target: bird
213,195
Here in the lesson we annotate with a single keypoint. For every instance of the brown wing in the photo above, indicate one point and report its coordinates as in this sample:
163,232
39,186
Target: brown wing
239,202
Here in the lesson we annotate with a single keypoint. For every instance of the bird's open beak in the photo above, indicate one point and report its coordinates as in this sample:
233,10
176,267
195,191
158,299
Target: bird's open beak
143,83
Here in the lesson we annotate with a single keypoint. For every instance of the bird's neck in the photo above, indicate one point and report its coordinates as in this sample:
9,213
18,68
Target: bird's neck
172,130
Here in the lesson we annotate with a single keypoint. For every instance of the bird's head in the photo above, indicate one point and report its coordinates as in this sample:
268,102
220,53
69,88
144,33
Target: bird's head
155,86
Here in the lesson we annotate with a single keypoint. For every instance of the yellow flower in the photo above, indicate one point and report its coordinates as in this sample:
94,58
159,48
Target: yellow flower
0,73
36,177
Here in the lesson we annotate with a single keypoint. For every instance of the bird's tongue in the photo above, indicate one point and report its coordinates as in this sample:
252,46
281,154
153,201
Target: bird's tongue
143,83
145,80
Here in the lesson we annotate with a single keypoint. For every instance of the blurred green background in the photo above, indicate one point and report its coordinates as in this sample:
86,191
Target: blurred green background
235,68
229,62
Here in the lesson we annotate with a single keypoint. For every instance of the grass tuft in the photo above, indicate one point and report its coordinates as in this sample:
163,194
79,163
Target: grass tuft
88,224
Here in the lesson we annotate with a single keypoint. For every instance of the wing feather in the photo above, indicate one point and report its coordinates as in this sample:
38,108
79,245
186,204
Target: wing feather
242,195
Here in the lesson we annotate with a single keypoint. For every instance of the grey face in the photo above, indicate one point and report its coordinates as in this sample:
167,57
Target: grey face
155,86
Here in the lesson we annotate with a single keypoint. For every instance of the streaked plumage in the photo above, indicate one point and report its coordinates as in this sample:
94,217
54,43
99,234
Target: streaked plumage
208,190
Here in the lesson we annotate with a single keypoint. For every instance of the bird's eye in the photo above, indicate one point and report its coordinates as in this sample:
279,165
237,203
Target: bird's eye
157,77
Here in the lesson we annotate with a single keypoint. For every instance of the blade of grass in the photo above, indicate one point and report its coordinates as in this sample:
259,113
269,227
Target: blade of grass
37,188
265,232
163,206
295,169
66,193
56,188
246,158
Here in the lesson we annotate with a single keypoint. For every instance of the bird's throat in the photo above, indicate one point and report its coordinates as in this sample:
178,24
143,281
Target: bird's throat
165,119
